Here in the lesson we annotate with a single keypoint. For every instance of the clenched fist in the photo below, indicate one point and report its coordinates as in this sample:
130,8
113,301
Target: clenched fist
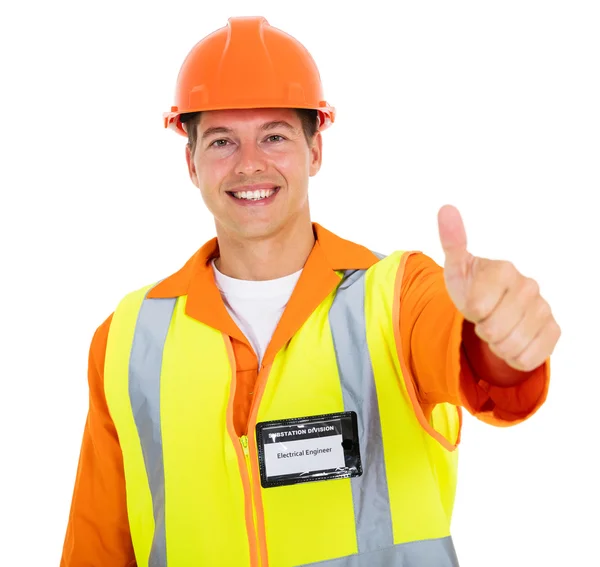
506,307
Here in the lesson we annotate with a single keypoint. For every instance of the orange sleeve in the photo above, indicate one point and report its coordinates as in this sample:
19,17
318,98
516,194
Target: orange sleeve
433,340
98,530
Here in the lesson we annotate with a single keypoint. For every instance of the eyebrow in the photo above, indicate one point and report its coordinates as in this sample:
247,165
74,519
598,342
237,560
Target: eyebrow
215,130
265,127
279,124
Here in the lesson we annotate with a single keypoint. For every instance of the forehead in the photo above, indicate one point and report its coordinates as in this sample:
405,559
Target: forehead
246,118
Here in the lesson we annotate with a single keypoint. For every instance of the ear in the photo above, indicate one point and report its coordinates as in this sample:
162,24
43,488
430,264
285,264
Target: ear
189,158
316,154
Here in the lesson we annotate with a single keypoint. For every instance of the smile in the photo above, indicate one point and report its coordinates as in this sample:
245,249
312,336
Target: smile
254,196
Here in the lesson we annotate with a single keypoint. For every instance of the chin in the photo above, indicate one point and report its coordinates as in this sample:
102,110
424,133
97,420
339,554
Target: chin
257,230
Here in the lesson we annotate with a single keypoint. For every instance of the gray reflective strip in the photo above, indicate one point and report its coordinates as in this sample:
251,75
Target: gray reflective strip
372,511
370,496
426,553
145,366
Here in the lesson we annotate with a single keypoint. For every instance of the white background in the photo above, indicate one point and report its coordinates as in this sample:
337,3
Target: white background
491,106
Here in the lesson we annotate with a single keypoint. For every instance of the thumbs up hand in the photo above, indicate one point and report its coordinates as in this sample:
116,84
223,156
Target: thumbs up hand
506,307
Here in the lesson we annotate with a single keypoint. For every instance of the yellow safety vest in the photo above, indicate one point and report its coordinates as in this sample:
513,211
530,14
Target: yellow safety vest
194,492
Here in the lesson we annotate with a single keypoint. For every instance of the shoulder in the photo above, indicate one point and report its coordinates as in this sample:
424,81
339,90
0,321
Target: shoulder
99,340
410,264
128,301
418,263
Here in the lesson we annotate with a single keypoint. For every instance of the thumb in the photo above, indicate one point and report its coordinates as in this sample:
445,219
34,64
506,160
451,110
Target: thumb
453,238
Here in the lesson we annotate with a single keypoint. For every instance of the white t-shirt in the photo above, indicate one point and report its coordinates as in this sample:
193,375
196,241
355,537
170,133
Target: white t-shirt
256,306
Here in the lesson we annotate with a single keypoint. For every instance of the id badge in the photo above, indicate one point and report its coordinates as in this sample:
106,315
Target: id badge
308,449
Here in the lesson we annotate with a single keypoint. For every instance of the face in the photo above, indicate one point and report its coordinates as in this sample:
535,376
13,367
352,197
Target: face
253,168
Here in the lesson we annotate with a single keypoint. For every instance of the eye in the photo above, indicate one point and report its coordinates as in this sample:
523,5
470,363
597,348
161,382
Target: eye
275,138
218,143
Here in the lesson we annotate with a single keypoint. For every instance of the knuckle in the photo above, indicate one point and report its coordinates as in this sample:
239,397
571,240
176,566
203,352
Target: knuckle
556,331
514,344
527,360
481,332
497,351
486,332
501,352
530,287
477,307
526,365
491,335
517,345
489,332
544,310
507,269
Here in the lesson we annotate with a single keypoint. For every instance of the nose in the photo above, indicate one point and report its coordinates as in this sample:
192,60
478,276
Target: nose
251,160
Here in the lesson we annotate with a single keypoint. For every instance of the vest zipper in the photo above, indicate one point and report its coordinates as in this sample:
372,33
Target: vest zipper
244,443
255,496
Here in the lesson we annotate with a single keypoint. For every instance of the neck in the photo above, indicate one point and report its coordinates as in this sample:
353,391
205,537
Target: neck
269,258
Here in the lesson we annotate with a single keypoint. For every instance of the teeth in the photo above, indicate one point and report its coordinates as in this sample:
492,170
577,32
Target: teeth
254,195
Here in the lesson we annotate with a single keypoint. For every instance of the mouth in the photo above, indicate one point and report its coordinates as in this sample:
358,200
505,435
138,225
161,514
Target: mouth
257,196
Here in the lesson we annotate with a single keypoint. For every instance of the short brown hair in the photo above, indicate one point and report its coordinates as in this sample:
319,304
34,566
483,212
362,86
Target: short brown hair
307,116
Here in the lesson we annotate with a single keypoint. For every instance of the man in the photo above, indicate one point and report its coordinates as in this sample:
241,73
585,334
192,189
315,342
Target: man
289,397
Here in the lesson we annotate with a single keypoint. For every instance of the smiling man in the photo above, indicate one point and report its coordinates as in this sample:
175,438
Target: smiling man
289,397
252,168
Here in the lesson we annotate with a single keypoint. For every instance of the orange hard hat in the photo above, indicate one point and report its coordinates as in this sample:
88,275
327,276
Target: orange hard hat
248,64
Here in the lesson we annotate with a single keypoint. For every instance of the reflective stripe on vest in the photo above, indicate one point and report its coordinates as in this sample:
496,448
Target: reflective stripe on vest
429,553
144,390
158,506
370,490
